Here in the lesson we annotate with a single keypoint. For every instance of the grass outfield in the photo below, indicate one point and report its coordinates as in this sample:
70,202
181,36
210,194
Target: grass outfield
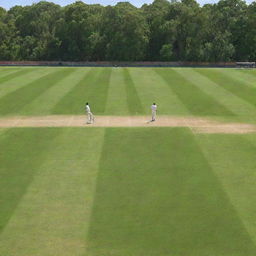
127,191
219,93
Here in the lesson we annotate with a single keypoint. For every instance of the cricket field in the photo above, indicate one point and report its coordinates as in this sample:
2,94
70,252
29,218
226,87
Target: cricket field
85,190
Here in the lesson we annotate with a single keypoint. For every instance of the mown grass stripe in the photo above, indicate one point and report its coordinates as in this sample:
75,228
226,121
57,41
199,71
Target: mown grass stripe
233,103
152,88
151,201
117,99
21,81
2,131
244,77
74,101
97,92
22,152
232,158
52,217
195,100
5,72
14,102
43,104
248,71
2,68
14,75
232,84
133,100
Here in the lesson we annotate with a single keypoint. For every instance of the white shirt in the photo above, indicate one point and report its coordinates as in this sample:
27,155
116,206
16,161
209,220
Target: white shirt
153,107
87,108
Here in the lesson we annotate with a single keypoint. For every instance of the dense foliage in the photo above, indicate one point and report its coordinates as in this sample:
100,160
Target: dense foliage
163,30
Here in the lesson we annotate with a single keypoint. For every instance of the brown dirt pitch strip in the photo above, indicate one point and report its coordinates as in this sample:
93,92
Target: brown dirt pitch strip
197,124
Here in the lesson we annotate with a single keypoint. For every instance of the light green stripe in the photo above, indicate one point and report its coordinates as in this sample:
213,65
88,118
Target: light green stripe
133,99
117,99
232,158
19,82
6,72
45,102
53,216
239,75
2,131
152,88
233,103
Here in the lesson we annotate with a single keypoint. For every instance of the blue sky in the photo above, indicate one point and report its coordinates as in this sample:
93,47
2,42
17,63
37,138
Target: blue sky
9,3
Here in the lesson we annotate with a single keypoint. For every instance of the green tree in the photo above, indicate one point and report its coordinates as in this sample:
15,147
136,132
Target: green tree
36,28
9,39
166,52
125,33
164,30
77,31
156,15
250,35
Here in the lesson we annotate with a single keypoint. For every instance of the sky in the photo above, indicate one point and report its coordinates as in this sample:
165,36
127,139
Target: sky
10,3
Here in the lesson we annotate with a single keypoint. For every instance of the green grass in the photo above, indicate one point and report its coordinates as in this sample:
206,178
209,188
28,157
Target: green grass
46,189
189,94
121,191
134,103
217,93
15,73
93,86
14,102
127,191
20,160
233,83
163,198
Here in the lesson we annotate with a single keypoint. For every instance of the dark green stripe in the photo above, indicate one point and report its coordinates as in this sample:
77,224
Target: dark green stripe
97,93
74,101
195,100
237,87
22,152
15,75
249,71
157,195
13,103
133,100
3,71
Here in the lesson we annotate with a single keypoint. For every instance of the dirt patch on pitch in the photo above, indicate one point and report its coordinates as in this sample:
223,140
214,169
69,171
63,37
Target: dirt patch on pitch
197,124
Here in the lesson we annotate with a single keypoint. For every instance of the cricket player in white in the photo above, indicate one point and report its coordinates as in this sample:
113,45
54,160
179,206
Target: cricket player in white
153,109
90,117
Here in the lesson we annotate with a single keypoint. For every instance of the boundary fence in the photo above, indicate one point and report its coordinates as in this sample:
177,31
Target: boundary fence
117,64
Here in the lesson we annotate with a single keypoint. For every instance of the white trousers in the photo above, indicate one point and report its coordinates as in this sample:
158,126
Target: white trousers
154,115
90,117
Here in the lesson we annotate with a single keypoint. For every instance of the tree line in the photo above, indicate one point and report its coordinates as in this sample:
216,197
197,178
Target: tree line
161,31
